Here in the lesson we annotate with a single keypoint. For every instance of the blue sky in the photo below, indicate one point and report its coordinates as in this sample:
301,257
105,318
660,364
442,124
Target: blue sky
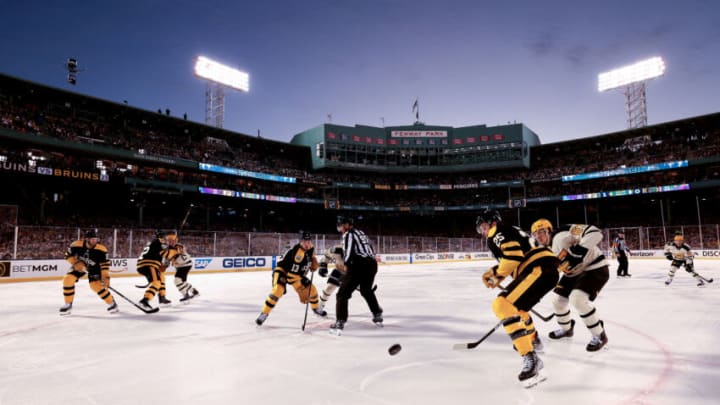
468,62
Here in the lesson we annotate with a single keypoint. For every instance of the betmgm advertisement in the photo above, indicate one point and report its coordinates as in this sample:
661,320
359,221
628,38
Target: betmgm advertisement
19,270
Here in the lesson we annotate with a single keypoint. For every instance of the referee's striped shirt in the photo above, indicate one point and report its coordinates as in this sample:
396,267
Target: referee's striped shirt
357,245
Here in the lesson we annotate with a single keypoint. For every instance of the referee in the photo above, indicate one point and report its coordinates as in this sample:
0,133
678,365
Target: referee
361,271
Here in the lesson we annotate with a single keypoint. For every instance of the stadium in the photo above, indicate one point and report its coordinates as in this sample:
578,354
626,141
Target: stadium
130,171
71,162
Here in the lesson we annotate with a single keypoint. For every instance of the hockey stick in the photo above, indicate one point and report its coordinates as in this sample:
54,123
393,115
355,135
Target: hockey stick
152,311
307,304
707,280
143,286
472,345
544,318
187,214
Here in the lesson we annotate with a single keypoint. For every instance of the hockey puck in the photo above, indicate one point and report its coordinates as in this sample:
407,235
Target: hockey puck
394,349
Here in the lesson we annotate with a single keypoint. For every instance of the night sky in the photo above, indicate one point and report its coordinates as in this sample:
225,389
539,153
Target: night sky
534,62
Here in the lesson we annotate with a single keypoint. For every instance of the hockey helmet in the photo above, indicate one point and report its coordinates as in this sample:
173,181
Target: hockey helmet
305,235
541,223
171,236
679,238
159,234
488,215
91,233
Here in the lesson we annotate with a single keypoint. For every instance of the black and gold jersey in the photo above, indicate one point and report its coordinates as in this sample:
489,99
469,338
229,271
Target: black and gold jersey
514,251
94,259
152,254
296,260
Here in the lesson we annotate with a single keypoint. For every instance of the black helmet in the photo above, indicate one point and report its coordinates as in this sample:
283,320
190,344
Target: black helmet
159,234
92,233
345,219
305,235
488,215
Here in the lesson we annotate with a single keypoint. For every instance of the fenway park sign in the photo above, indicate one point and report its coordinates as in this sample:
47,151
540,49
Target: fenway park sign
418,134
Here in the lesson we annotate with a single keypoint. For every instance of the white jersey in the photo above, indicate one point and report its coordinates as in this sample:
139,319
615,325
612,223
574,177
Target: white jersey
587,236
680,254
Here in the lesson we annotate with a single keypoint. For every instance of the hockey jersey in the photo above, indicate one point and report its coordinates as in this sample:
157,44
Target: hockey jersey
586,239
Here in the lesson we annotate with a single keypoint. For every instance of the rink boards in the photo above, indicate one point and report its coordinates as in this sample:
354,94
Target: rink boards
37,270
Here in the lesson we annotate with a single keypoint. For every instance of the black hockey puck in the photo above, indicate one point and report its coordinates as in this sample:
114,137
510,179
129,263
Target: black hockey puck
394,349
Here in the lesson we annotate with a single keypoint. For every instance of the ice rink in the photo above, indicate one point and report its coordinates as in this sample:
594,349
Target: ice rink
663,345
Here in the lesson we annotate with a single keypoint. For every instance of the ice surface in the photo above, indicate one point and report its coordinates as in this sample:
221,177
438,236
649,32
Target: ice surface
663,345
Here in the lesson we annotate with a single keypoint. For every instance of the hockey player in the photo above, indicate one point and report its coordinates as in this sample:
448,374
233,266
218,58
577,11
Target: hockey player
88,256
149,264
361,268
534,273
291,269
333,255
585,272
176,255
679,253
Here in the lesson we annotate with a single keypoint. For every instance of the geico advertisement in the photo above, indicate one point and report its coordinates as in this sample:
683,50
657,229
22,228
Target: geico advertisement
234,263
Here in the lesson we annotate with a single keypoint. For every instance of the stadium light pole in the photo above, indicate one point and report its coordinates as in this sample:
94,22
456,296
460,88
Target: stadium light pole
219,77
631,80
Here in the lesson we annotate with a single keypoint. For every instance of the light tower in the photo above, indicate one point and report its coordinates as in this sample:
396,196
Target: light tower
218,78
631,80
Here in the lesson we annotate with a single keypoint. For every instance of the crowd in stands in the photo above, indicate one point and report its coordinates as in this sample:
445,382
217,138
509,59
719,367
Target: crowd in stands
34,110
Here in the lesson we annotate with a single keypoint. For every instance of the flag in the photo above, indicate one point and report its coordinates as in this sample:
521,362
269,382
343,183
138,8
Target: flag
416,110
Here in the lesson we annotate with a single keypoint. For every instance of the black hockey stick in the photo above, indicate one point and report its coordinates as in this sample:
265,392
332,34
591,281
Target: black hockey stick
307,304
544,318
143,286
151,311
472,345
707,280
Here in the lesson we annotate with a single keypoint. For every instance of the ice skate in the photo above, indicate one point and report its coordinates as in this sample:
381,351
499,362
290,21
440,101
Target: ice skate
192,293
144,304
597,342
320,312
378,319
562,333
700,283
113,308
261,318
668,281
337,328
164,301
66,309
531,375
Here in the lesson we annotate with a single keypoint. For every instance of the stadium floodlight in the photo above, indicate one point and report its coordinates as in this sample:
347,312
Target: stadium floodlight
218,78
637,72
219,73
631,79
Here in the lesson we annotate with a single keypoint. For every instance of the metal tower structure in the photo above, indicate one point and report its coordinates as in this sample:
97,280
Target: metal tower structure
631,80
214,104
219,77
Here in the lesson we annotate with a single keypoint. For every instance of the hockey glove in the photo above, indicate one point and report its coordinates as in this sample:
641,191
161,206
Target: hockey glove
669,256
491,279
576,254
323,272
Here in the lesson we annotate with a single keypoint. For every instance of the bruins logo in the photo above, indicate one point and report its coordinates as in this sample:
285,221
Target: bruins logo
4,269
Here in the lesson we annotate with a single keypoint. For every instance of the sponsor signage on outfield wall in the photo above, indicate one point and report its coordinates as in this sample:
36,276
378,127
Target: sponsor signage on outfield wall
38,269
